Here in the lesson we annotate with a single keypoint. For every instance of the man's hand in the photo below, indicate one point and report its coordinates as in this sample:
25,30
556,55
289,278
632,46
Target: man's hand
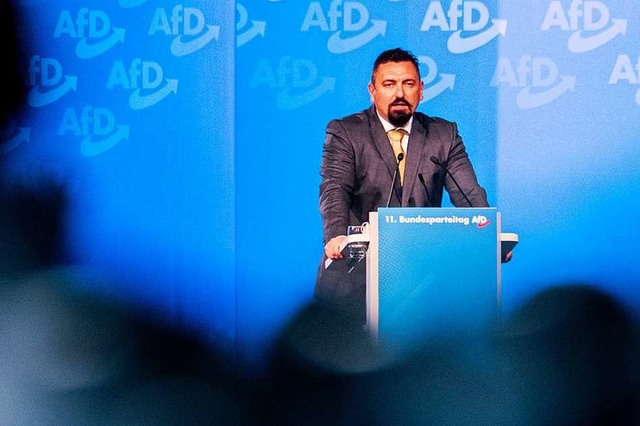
332,248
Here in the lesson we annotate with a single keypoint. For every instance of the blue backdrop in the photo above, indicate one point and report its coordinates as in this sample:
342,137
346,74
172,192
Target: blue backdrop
189,136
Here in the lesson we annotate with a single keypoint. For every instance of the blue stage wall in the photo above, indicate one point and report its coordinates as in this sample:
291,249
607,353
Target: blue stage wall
189,136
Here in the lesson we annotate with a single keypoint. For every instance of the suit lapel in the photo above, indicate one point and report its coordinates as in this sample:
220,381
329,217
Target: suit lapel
417,144
381,140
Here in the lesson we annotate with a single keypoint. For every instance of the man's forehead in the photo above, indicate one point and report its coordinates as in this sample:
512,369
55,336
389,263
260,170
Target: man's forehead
396,71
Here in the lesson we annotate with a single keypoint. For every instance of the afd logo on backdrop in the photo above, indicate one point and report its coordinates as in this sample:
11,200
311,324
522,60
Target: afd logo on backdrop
469,16
296,80
243,34
433,88
348,21
146,81
626,71
538,78
187,26
589,22
48,81
92,29
96,127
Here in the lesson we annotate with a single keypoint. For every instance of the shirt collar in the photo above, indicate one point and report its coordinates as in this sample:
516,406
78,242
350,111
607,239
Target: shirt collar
388,126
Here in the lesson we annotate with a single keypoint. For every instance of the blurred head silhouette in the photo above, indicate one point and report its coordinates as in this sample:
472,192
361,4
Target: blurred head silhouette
570,355
32,215
12,86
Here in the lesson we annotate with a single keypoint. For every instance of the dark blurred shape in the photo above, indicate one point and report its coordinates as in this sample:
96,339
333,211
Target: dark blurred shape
329,339
447,382
32,227
319,356
72,357
30,220
13,90
328,369
176,378
570,355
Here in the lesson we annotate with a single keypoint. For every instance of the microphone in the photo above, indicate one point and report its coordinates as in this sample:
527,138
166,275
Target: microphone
444,165
424,185
395,177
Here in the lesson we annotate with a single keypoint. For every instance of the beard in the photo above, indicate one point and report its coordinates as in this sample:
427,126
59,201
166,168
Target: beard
399,117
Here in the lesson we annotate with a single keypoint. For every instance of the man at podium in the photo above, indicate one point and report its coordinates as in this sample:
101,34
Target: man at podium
388,155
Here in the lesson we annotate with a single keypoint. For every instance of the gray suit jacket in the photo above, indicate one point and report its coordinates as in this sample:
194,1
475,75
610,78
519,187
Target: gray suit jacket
357,171
358,165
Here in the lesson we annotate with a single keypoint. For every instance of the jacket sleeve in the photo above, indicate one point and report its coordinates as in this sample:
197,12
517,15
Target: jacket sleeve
462,170
337,173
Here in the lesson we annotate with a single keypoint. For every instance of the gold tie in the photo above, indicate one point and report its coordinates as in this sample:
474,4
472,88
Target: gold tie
395,136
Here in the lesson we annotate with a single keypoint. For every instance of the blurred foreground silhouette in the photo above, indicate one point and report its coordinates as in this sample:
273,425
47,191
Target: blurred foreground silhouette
568,356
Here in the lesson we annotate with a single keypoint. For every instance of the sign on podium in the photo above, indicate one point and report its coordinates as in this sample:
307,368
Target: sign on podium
432,272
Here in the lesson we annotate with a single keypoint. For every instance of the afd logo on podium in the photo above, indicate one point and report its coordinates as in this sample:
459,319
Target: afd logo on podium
480,221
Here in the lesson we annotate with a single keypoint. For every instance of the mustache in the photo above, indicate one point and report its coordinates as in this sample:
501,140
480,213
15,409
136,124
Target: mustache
400,102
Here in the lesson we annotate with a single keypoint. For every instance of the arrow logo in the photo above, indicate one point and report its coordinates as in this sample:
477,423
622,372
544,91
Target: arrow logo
40,99
578,44
458,44
447,81
258,28
338,45
528,100
483,224
287,101
23,135
90,148
138,101
178,48
87,51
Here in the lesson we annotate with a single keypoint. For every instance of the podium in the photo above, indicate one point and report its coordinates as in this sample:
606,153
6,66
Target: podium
432,272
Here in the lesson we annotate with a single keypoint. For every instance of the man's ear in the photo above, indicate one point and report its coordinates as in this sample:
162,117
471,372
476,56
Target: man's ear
371,89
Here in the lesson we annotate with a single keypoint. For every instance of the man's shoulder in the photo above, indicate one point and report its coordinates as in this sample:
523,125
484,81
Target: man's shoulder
357,117
427,120
352,120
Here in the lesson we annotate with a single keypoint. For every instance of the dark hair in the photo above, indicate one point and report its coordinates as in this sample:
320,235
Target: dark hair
395,55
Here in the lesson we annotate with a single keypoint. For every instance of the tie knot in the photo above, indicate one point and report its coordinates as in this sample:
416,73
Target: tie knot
396,135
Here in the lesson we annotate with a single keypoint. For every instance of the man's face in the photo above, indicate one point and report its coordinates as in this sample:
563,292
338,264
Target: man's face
396,91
